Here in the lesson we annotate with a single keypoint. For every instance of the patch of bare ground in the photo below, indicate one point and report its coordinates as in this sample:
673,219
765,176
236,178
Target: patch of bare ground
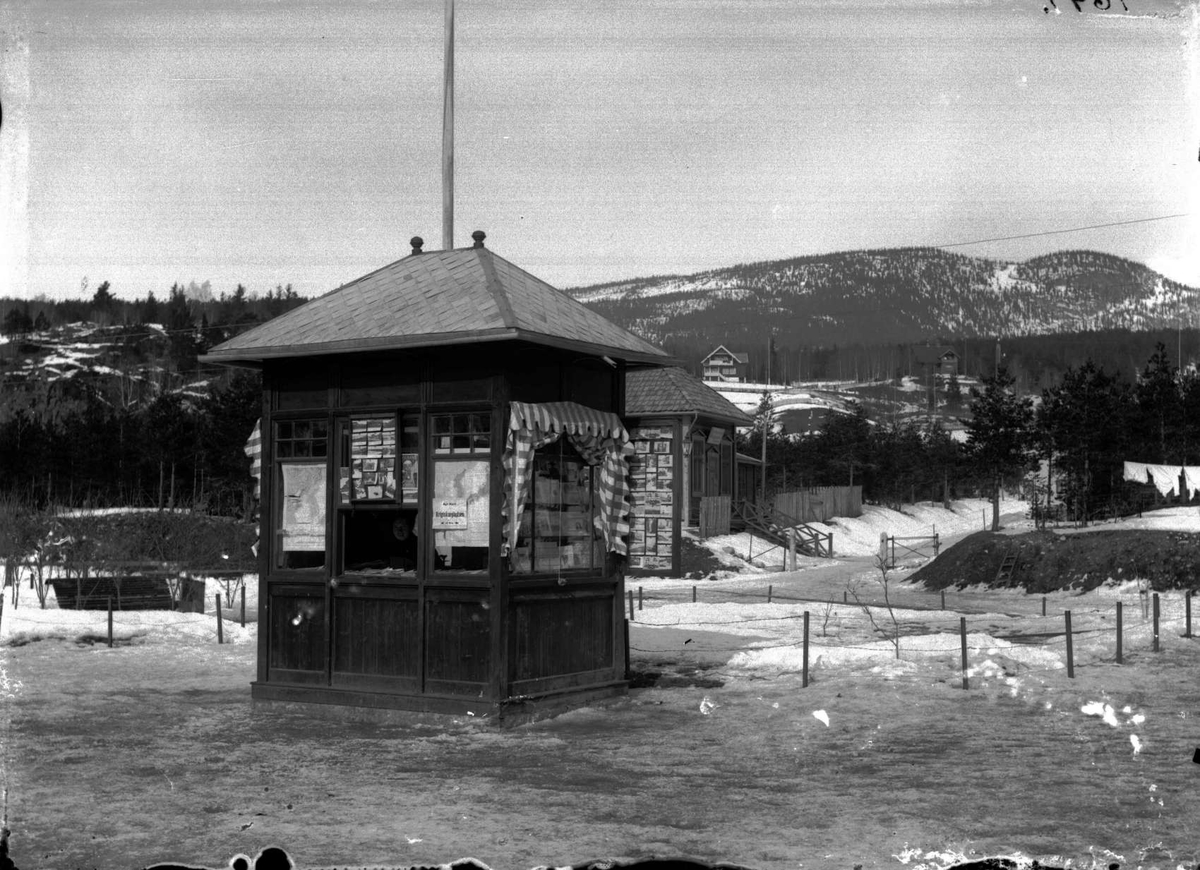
1047,561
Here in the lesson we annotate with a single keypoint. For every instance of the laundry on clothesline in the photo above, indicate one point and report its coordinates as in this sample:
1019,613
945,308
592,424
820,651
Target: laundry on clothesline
1164,477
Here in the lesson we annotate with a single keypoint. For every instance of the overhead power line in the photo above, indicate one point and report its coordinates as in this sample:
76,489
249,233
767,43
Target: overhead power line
1165,217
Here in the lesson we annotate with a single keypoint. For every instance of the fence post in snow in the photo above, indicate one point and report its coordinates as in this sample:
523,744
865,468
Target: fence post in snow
1043,605
804,684
243,605
110,622
631,616
628,671
769,588
220,628
883,554
943,599
1156,622
639,598
1187,613
693,595
1070,649
1119,626
962,631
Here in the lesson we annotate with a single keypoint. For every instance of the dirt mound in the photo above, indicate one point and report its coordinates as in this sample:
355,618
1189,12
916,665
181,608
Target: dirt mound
1047,560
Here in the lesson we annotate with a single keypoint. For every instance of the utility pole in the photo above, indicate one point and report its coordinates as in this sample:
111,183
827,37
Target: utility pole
448,133
766,421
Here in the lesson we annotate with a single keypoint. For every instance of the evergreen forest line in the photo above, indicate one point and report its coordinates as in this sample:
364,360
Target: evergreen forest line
166,431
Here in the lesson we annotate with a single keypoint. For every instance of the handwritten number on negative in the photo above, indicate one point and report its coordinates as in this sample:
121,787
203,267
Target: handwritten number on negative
1102,5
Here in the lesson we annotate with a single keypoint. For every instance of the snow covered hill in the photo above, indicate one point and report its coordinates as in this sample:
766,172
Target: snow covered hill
901,295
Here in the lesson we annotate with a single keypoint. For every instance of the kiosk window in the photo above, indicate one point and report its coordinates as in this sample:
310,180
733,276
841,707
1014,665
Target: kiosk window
300,450
300,517
462,433
461,514
379,541
558,526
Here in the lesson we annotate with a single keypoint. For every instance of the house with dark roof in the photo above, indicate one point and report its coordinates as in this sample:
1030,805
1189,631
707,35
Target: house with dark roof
928,359
444,496
725,365
683,450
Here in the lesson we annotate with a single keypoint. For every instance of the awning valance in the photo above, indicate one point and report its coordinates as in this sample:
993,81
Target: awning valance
566,418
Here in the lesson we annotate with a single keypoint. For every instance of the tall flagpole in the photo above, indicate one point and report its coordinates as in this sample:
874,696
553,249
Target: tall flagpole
448,134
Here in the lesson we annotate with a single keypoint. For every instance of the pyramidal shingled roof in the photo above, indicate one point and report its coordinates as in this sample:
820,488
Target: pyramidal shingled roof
437,298
672,390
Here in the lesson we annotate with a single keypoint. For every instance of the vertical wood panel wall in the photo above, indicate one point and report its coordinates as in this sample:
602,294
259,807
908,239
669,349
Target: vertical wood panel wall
820,504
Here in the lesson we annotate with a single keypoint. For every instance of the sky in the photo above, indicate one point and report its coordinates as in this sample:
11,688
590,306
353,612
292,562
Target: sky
275,142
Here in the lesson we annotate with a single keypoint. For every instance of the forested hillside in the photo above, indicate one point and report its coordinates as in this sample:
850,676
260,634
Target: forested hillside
104,401
844,315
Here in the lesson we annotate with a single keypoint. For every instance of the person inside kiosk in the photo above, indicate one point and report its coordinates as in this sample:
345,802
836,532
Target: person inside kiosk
381,540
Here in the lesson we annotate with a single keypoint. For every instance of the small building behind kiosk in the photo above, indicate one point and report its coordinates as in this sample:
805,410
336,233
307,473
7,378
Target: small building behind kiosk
444,498
685,449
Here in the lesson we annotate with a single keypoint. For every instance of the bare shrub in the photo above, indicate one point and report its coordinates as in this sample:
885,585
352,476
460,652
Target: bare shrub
21,529
893,636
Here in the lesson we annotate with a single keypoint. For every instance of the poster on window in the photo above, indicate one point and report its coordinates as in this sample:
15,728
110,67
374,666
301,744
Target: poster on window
449,513
373,458
408,477
468,482
302,516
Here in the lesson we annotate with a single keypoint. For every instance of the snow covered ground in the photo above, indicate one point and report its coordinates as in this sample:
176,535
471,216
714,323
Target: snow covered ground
853,629
27,621
850,625
862,745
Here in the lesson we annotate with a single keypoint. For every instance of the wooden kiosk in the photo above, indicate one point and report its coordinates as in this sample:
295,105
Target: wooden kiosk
444,492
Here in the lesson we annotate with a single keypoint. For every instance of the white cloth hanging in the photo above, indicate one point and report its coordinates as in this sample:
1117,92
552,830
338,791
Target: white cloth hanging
1136,471
1166,478
1191,479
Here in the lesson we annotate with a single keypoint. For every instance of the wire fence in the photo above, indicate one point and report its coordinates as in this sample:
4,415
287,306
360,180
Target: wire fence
113,625
1089,635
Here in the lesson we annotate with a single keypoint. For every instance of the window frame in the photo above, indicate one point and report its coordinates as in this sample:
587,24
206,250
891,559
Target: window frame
473,450
529,535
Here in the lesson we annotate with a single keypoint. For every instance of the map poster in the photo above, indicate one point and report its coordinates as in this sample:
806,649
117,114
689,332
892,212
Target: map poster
302,521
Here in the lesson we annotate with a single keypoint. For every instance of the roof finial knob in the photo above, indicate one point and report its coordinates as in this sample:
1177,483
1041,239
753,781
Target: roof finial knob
479,236
416,242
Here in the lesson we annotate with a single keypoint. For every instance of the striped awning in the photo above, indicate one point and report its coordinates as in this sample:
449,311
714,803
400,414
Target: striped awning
253,449
566,418
601,439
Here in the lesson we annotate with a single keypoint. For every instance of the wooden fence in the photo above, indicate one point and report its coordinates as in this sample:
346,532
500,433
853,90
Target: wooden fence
715,512
820,504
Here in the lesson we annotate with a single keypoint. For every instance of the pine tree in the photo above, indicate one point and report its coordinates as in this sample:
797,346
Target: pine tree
999,433
1160,400
1083,423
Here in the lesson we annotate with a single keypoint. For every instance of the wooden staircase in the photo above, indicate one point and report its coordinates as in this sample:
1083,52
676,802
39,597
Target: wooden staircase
774,526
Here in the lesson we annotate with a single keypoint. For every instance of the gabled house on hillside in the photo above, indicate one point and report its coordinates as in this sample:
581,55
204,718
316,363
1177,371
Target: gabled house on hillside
444,496
935,360
725,365
684,449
